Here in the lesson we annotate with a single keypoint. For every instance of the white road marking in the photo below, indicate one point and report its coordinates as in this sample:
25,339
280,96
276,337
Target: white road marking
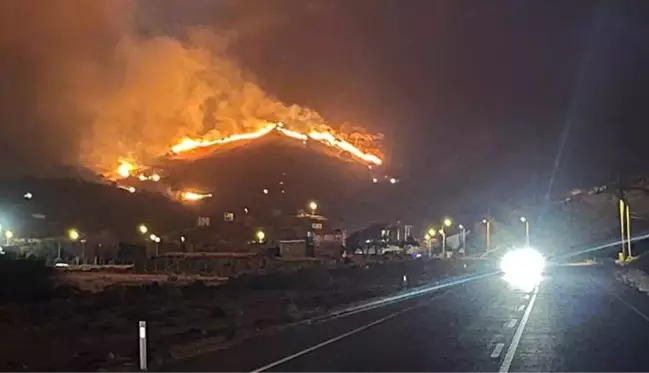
521,308
511,351
633,308
497,350
526,296
342,336
511,324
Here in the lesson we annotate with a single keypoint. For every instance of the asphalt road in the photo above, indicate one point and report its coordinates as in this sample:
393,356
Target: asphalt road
577,319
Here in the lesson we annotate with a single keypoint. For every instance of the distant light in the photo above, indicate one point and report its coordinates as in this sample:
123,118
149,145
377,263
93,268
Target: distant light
432,232
427,237
182,238
260,236
461,226
9,234
265,191
131,189
142,228
375,180
152,237
282,191
281,183
523,219
142,177
393,180
523,268
484,221
155,177
73,234
448,222
28,195
245,209
157,239
313,205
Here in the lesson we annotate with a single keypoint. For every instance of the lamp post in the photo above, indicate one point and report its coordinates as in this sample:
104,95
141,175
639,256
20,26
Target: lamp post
527,230
429,238
8,236
441,231
463,236
487,225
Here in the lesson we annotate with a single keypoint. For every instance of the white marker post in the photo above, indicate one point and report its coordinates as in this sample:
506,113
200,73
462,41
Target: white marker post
143,358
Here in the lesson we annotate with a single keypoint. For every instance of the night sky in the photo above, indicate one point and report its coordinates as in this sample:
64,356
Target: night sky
474,97
478,100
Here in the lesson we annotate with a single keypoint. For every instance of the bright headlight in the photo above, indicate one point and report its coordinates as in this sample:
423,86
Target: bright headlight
523,268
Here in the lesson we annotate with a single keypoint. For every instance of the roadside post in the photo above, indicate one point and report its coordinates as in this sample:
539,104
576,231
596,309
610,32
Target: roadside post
142,334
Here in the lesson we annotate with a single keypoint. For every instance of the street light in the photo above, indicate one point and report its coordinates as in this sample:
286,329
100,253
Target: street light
8,236
441,231
313,206
260,236
463,232
142,228
432,232
527,230
487,224
73,234
448,222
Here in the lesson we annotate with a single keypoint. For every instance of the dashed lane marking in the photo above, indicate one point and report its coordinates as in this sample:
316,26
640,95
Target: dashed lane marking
511,324
521,308
511,351
497,350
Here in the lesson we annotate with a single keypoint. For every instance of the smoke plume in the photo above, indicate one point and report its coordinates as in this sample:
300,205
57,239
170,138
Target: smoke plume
86,85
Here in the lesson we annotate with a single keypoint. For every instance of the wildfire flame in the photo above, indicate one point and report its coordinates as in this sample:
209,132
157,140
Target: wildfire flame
193,196
125,168
187,143
325,137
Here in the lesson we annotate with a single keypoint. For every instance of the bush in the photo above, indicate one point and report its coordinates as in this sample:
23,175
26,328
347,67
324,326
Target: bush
25,279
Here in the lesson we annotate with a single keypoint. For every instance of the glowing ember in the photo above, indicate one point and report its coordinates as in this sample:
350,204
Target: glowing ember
192,196
125,168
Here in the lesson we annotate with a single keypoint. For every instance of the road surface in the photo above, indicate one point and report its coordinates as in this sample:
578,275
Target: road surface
577,319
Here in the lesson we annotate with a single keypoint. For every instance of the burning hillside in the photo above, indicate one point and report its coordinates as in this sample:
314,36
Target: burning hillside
122,97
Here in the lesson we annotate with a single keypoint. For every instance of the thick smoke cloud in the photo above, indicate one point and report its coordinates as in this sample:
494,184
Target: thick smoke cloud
90,82
52,55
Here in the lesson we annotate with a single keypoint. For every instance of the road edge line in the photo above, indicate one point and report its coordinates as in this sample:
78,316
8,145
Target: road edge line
511,351
344,335
630,306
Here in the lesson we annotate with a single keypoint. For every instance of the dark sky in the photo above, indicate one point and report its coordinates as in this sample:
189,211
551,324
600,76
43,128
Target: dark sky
473,96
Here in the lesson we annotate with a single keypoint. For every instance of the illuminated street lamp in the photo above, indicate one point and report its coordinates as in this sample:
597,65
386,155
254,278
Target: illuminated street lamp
73,234
443,234
313,205
487,224
260,236
432,232
142,228
448,222
8,236
527,230
463,232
